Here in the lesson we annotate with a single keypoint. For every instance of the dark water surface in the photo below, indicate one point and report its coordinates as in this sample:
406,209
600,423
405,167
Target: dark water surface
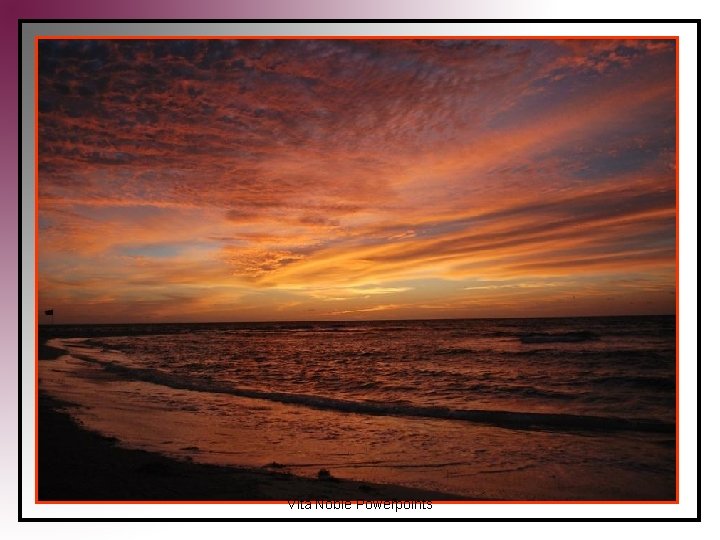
503,408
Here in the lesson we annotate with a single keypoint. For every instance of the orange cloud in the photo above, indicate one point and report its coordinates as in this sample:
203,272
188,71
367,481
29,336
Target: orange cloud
254,179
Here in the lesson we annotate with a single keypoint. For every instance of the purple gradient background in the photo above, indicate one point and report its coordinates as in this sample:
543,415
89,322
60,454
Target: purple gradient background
12,10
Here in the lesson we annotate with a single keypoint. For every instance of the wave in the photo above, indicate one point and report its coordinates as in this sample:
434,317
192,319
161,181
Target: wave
454,351
559,337
506,419
660,383
525,390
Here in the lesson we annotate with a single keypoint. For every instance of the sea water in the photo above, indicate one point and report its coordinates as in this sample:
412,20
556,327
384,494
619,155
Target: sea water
512,409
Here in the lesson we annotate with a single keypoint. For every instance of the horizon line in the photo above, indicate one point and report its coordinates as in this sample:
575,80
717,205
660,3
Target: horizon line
354,320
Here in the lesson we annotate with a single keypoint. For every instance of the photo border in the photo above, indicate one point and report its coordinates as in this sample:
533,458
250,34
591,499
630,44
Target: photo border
22,179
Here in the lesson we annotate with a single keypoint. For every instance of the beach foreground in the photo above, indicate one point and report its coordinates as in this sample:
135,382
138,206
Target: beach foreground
75,464
79,465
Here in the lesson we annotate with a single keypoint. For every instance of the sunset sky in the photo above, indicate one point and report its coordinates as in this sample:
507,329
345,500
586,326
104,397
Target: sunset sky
245,180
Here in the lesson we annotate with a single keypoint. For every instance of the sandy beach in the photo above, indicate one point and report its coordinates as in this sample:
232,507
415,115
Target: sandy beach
75,464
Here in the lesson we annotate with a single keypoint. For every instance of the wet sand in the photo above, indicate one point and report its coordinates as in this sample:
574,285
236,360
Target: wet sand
79,465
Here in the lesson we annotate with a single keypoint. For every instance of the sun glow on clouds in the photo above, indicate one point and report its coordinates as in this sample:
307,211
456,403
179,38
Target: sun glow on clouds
260,179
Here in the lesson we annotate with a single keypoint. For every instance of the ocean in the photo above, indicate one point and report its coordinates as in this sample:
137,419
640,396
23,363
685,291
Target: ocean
510,409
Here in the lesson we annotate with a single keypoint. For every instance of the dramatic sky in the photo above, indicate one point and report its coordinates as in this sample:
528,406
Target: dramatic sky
217,180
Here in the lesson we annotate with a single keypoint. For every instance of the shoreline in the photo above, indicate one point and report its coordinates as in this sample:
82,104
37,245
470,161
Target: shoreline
79,465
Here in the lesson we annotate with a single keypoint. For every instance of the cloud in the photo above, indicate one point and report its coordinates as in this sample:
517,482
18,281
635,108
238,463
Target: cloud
335,169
